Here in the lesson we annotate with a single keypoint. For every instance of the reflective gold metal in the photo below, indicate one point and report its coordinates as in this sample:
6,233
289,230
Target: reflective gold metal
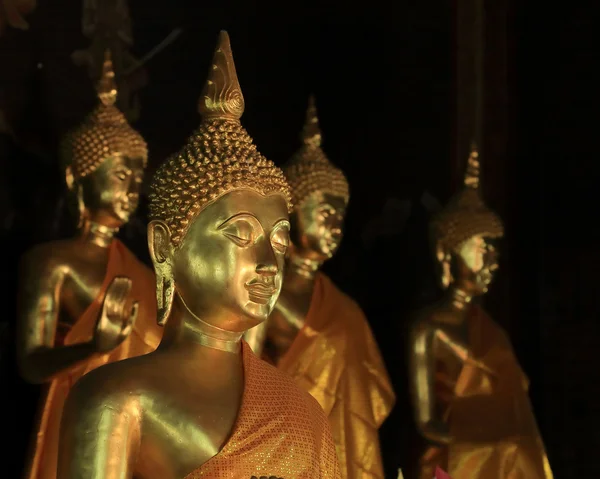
317,334
203,405
86,301
468,391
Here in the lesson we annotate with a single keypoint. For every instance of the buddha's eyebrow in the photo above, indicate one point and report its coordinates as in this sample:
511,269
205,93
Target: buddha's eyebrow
240,216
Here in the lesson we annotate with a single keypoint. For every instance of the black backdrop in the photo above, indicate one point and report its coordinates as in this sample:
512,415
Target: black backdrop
383,76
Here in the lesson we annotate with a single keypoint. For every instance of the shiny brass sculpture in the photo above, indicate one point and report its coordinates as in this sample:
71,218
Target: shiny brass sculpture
86,301
203,405
317,334
469,393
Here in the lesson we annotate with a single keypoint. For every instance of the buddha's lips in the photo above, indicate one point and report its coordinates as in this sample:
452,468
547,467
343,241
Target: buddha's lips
262,292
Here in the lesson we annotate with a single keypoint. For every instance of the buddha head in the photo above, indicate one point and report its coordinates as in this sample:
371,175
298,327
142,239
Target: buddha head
105,159
320,195
464,233
219,211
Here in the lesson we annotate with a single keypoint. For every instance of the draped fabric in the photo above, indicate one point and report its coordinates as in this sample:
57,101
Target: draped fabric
336,359
280,431
489,416
144,338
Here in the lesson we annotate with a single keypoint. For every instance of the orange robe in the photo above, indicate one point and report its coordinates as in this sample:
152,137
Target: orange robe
144,338
336,359
489,416
280,431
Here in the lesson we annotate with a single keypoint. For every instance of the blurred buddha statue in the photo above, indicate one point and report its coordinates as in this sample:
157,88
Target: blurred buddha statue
203,405
86,301
317,334
469,393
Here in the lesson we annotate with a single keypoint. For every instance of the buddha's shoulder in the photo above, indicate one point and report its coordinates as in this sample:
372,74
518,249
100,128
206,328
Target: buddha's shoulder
53,254
428,319
115,382
347,310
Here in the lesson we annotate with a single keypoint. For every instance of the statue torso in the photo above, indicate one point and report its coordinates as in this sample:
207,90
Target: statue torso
186,416
448,332
83,269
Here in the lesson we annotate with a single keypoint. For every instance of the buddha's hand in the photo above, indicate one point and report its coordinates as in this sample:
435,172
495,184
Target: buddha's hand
117,317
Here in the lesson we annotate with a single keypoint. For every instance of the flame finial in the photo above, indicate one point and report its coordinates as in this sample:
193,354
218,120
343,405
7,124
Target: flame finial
107,87
311,133
222,96
473,168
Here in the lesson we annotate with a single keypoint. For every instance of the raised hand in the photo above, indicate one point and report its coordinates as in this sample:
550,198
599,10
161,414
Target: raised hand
117,317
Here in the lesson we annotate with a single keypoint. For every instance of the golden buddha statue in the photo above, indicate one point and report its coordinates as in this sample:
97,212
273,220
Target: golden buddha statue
86,301
317,334
202,404
469,393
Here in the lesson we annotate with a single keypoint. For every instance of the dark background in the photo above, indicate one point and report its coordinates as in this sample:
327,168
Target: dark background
393,84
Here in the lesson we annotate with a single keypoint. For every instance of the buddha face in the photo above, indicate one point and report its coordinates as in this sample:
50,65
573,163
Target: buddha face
476,261
111,192
318,223
229,266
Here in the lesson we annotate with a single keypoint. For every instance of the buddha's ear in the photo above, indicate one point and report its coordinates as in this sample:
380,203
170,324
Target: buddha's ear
69,178
159,242
161,253
444,259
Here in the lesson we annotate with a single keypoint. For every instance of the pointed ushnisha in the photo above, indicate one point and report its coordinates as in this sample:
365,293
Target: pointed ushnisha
222,96
473,167
311,133
104,133
107,88
219,157
309,171
466,215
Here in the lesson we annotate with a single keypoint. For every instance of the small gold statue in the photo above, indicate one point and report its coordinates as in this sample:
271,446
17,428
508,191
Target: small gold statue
317,334
86,301
203,405
469,393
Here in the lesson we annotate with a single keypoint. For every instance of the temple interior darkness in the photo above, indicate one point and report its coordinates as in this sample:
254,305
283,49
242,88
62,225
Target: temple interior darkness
396,90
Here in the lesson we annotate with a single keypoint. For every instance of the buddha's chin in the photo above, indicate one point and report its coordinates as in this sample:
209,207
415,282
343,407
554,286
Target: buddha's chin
256,313
122,216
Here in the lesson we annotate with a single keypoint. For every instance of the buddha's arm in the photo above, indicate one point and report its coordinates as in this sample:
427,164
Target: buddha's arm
39,305
100,432
421,377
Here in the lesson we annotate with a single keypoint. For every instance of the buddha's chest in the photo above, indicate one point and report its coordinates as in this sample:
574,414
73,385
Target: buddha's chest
451,351
182,430
82,286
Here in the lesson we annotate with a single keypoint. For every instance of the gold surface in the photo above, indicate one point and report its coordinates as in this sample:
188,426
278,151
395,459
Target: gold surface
309,170
468,391
200,406
466,215
317,334
336,359
85,301
104,132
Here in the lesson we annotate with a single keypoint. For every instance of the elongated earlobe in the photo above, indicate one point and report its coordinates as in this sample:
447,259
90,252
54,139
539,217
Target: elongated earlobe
165,289
160,251
445,261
